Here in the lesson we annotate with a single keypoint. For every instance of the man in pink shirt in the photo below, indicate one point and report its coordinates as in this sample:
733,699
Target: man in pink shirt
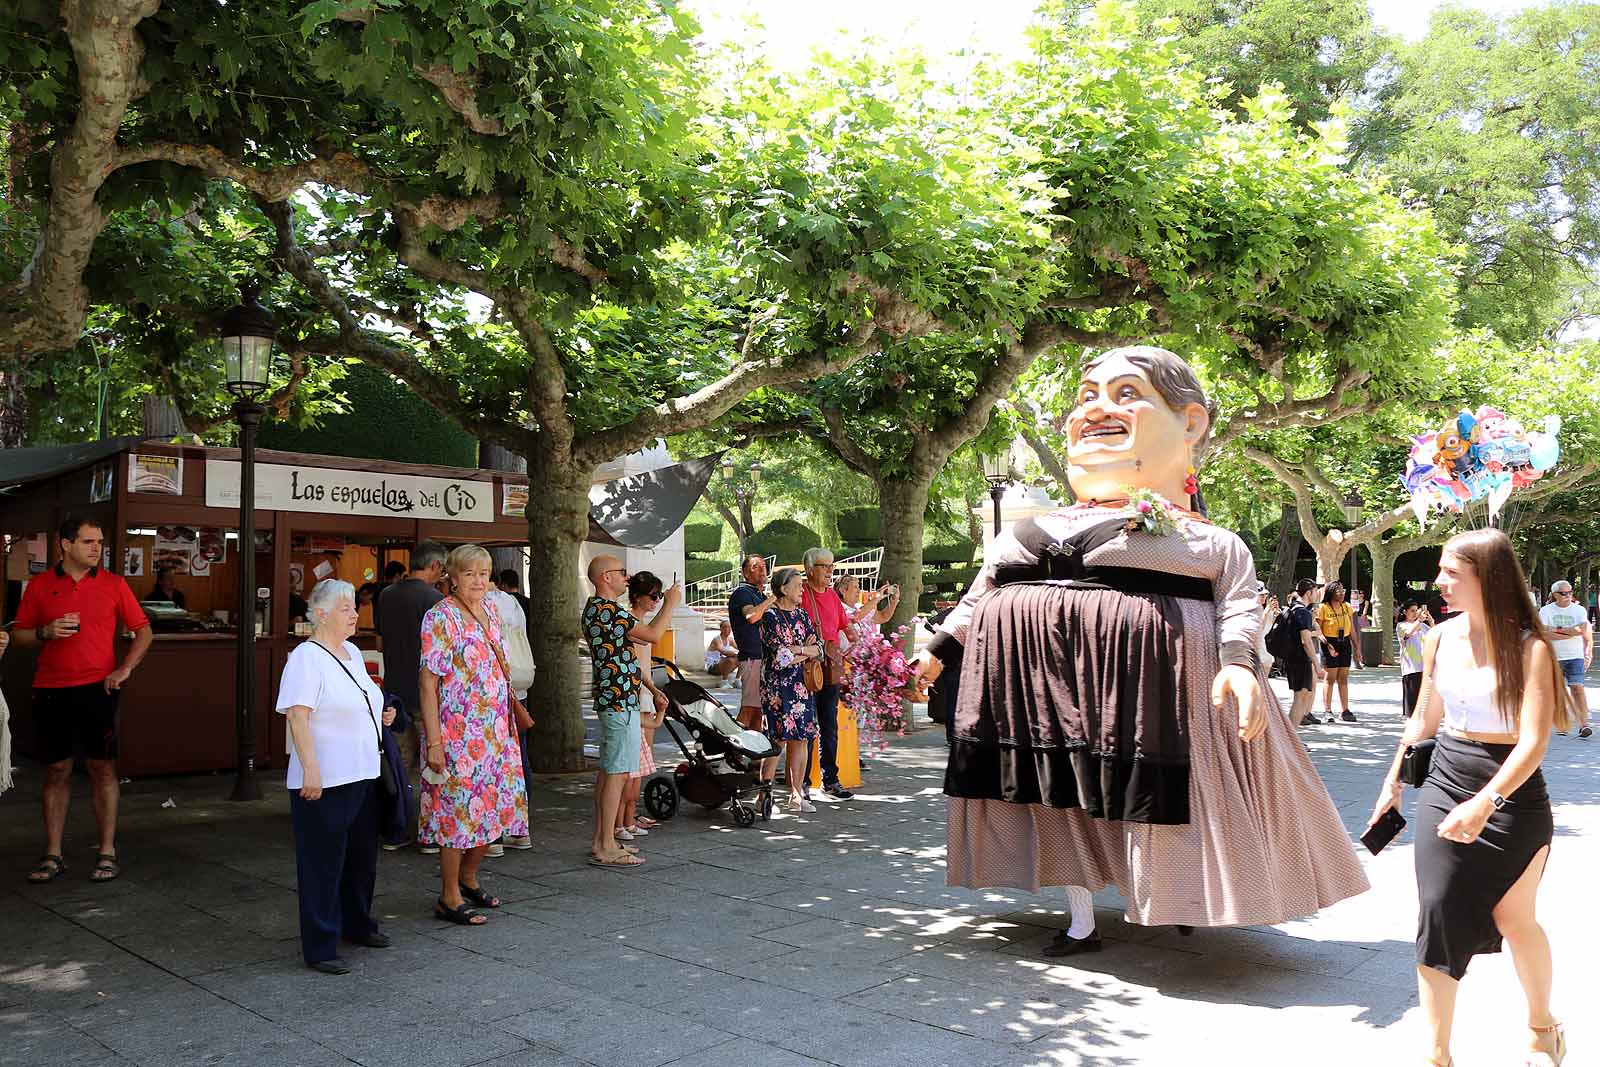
827,611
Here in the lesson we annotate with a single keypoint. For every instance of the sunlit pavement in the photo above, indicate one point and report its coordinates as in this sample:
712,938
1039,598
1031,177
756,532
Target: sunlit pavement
829,938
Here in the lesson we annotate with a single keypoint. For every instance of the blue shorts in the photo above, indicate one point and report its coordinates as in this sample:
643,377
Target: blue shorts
620,741
1572,669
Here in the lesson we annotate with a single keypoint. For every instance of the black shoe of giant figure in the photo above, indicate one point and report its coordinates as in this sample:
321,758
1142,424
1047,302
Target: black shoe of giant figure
1063,945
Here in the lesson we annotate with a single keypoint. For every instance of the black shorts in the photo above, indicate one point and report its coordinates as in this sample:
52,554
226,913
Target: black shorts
76,718
1298,672
1343,649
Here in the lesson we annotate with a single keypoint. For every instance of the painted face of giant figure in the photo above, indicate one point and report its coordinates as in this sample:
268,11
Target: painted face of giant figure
1139,419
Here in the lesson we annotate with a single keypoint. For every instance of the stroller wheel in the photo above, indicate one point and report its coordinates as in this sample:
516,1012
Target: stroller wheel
766,803
661,798
744,815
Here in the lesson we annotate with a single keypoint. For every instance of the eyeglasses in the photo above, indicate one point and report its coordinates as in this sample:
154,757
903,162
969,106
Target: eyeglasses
617,570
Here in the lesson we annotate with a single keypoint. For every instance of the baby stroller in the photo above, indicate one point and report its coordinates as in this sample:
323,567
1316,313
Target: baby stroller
722,760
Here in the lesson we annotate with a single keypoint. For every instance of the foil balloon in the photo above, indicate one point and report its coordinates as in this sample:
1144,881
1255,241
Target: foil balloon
1481,455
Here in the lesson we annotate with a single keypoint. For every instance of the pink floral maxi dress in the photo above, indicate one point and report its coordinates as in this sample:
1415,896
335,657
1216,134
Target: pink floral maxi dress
485,796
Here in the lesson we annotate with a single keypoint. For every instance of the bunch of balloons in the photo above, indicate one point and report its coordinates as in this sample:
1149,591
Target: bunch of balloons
1482,456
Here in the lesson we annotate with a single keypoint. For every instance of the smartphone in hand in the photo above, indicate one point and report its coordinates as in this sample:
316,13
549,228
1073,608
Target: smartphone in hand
1383,831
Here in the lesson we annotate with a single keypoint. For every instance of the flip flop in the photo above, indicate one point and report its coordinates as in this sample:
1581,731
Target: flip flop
461,916
626,861
647,822
105,868
478,896
47,869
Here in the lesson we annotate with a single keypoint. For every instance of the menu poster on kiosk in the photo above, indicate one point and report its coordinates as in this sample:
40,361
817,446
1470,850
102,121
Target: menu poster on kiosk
335,491
155,474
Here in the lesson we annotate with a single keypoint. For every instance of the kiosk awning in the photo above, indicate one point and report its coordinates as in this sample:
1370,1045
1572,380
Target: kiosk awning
19,466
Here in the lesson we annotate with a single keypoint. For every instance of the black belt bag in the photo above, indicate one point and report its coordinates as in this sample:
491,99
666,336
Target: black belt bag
1414,764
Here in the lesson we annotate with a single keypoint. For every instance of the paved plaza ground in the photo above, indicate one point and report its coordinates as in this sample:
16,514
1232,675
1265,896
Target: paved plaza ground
827,939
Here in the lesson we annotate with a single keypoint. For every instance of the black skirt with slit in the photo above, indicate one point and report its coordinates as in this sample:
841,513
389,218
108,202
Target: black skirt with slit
1458,885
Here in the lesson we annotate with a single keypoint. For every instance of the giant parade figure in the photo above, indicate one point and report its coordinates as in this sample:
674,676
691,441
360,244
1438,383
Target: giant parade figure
1113,726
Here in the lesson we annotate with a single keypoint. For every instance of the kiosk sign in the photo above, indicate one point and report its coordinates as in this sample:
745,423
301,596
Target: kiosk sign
333,491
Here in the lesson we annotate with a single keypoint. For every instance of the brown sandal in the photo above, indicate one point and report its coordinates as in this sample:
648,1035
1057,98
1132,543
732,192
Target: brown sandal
48,869
105,867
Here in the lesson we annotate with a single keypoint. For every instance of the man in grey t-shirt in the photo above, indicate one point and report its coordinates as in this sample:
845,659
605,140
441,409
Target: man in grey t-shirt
1573,640
400,612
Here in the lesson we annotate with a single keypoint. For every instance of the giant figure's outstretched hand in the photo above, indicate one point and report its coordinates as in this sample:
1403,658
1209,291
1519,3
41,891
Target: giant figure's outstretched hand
1240,683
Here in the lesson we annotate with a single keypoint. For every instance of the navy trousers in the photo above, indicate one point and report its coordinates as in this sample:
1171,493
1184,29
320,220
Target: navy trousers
336,865
827,735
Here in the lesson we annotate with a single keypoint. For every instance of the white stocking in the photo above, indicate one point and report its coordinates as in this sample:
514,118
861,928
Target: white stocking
1081,904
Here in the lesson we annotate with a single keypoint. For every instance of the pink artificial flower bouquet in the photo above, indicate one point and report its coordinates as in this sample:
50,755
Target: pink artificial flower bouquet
877,685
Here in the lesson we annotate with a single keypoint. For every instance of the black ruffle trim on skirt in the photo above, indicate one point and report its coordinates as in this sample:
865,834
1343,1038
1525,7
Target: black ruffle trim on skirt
1105,787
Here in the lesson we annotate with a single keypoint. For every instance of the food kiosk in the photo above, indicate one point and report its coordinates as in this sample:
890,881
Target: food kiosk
176,508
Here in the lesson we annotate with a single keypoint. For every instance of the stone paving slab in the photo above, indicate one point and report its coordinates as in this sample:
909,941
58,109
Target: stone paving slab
823,939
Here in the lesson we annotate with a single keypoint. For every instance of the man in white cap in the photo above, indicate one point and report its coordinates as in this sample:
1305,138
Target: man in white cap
1573,638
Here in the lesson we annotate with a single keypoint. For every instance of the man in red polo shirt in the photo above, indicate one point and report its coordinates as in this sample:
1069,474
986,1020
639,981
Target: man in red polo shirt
71,613
827,613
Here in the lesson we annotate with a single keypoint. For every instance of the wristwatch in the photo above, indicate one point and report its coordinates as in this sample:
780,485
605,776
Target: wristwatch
1497,800
38,632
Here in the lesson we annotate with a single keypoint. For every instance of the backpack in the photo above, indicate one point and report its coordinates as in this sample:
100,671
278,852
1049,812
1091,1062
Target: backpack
1281,637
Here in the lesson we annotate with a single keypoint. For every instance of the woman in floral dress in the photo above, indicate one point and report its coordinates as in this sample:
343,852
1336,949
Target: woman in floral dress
789,639
473,791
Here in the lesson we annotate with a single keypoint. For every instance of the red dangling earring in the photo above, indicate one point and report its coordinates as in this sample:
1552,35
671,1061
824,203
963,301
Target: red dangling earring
1191,486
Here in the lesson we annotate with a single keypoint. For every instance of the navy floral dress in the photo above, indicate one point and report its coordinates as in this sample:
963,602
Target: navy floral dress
791,708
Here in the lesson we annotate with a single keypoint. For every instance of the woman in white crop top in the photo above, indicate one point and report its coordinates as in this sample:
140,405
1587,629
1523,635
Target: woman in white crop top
1490,694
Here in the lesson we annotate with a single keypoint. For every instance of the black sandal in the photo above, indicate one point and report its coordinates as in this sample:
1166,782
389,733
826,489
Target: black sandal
48,869
105,868
461,916
478,896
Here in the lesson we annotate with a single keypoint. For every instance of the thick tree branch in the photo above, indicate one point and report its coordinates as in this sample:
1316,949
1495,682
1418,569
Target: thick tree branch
1304,503
439,390
1027,423
460,91
46,306
853,455
1343,399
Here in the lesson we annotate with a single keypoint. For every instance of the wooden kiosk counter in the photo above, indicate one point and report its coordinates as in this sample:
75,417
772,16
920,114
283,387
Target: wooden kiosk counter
175,507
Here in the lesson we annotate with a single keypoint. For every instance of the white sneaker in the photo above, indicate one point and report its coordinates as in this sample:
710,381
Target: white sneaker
520,842
496,851
804,807
622,835
637,831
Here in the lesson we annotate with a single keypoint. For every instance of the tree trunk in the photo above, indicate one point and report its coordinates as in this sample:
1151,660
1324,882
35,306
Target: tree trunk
1281,580
13,410
747,523
558,523
1330,557
1382,610
904,504
492,457
974,523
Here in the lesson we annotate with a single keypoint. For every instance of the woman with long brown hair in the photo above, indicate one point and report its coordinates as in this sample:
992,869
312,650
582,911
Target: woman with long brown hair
1490,695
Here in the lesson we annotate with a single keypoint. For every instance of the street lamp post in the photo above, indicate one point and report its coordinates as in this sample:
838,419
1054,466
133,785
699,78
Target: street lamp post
247,335
743,490
997,472
1352,514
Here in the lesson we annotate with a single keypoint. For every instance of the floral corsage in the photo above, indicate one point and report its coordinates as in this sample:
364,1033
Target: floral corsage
1152,513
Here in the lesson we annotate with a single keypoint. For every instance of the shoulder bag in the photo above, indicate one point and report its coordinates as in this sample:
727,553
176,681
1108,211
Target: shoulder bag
1418,756
520,717
824,672
386,773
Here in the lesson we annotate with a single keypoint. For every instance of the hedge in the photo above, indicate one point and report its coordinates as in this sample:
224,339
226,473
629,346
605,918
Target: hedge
951,577
949,552
702,538
695,570
784,538
386,420
861,526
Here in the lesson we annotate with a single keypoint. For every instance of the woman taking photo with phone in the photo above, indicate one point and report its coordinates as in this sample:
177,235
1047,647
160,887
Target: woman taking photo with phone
1490,694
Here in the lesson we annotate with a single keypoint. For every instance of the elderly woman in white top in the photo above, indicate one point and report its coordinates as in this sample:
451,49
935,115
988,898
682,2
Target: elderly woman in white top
336,715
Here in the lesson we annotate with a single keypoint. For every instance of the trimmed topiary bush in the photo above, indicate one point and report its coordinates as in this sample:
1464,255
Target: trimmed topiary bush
949,553
695,570
702,538
784,538
952,579
861,526
386,420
